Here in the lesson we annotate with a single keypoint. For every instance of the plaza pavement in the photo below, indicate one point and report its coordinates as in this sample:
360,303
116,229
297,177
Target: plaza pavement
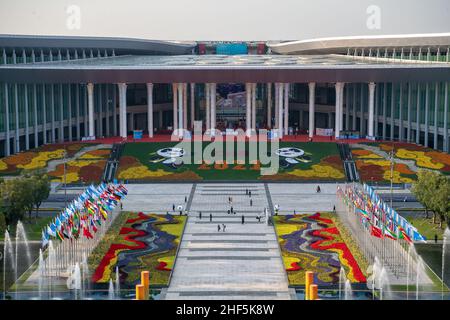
244,262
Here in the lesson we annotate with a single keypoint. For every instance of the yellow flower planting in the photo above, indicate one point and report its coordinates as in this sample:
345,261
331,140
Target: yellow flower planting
422,160
3,165
396,178
322,171
141,172
70,178
40,161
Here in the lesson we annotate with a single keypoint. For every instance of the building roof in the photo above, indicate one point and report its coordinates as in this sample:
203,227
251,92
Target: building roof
119,45
342,44
218,68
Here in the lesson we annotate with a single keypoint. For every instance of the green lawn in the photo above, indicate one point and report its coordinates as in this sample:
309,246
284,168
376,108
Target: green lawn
313,165
33,227
426,227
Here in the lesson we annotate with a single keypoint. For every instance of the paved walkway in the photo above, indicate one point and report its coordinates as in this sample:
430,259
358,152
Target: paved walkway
302,197
244,262
157,197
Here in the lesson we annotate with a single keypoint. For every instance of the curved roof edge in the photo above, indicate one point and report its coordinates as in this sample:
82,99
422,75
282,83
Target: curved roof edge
120,45
341,44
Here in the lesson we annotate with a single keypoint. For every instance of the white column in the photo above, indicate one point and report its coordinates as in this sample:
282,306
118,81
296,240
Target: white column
312,97
280,109
286,108
277,105
208,101
150,109
192,105
180,109
269,105
175,106
185,114
27,121
248,92
90,90
213,106
123,109
341,108
253,107
446,117
338,87
371,108
436,106
77,107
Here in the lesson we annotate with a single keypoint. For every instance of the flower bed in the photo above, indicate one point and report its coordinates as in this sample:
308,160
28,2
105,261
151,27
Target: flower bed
86,171
314,161
144,242
423,157
374,170
37,158
314,243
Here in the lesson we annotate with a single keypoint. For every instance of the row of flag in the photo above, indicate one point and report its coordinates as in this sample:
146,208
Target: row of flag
83,216
375,215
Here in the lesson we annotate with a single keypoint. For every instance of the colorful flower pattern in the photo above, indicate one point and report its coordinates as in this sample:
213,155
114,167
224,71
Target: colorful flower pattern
314,243
144,242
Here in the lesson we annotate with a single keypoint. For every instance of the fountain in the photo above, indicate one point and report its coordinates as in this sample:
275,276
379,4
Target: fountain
446,238
419,270
41,273
50,267
348,294
85,277
8,253
384,286
111,290
411,253
117,282
77,280
342,280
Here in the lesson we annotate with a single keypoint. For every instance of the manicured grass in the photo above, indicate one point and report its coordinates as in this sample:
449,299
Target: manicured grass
426,227
33,227
139,162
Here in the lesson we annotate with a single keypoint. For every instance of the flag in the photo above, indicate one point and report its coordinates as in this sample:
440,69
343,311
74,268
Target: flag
388,233
87,234
403,235
375,231
44,239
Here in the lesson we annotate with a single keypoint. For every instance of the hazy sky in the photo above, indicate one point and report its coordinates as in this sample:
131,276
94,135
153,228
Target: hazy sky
223,19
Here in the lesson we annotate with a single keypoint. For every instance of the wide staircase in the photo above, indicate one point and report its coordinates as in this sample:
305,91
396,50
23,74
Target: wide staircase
244,262
113,162
349,164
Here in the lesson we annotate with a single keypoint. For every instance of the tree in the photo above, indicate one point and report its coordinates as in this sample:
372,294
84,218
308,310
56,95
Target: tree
422,189
440,199
432,189
12,194
41,191
2,223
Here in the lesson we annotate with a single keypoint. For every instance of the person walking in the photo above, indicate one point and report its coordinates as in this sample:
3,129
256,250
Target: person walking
185,199
223,227
334,208
218,228
231,209
246,192
181,212
200,215
250,193
243,219
251,203
173,207
210,217
435,238
228,211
